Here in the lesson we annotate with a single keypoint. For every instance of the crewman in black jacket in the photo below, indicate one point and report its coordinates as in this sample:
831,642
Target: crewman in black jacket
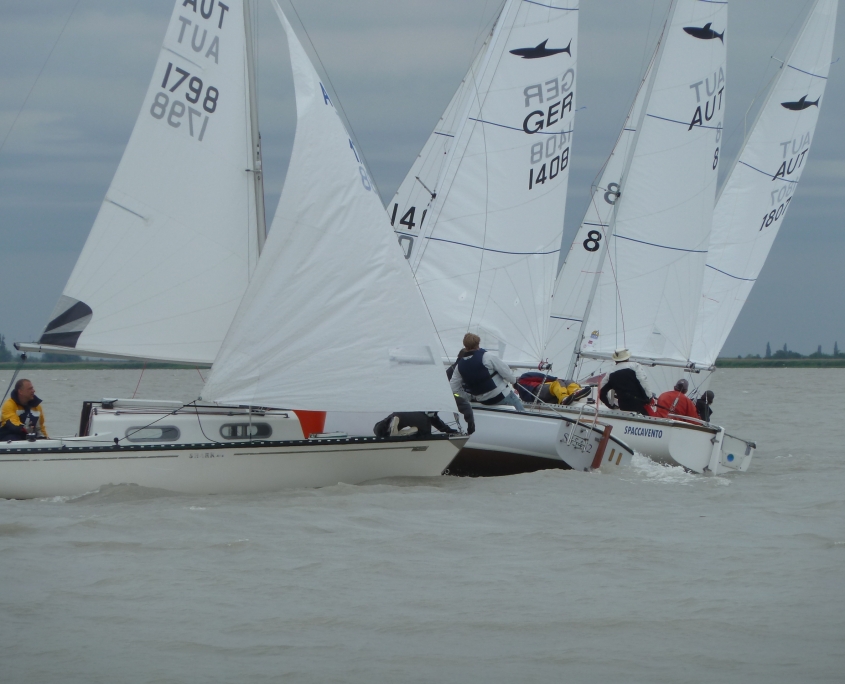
629,384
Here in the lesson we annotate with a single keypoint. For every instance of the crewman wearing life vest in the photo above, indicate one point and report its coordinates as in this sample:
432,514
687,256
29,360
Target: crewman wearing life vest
483,377
629,384
676,402
22,414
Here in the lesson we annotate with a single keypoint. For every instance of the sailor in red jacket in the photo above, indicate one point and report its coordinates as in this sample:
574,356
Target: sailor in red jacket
676,402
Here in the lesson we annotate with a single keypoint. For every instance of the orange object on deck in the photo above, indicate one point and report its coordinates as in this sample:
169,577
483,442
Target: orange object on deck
312,422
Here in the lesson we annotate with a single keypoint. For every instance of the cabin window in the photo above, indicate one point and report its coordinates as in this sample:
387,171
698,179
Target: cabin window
154,433
246,431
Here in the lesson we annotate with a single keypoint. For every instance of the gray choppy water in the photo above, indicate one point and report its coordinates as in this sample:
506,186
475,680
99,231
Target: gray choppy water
648,575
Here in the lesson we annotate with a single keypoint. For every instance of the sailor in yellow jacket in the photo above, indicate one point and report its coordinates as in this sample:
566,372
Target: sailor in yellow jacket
22,413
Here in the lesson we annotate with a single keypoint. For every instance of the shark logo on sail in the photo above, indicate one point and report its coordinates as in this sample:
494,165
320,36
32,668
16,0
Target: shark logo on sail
800,105
541,51
705,32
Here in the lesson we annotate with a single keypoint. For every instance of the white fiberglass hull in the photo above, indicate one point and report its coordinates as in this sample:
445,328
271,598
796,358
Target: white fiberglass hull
507,442
73,467
700,448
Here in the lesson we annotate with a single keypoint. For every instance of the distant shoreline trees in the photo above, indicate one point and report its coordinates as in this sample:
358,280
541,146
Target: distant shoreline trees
787,353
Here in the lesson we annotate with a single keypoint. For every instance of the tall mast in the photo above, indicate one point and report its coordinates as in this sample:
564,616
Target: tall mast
612,222
257,167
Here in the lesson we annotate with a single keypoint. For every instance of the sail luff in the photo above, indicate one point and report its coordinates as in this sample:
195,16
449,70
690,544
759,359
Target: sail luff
648,82
255,138
472,80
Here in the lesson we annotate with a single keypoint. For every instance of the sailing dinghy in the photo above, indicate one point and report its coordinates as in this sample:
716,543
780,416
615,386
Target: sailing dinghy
199,113
480,218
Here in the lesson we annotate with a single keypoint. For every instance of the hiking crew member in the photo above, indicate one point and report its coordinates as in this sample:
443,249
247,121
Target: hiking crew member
676,402
703,405
629,384
483,377
22,413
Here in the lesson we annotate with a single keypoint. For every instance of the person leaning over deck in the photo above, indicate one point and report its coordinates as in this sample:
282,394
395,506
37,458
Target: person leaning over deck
483,377
629,384
676,402
22,413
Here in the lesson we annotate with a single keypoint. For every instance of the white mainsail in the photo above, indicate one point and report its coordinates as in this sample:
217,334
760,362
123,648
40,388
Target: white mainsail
585,259
756,196
480,214
332,319
649,288
172,248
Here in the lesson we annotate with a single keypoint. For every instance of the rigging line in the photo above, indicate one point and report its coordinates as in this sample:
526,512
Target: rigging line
339,102
490,249
486,196
139,379
41,71
483,66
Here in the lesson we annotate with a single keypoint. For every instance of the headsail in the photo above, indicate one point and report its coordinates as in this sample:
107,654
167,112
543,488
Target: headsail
648,291
480,214
332,320
756,196
177,236
586,257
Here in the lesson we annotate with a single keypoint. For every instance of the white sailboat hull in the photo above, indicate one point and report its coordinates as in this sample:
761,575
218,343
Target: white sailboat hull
66,468
507,442
698,448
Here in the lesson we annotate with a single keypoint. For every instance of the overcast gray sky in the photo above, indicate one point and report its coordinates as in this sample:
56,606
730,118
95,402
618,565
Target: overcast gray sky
394,66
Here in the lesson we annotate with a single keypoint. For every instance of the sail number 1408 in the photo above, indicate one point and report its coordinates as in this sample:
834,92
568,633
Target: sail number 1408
549,169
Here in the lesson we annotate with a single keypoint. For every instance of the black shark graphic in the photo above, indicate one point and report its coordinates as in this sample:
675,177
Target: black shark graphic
705,33
541,51
801,104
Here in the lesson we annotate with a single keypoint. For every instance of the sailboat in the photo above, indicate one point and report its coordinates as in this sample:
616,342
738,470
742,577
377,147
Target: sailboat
480,219
199,112
633,276
735,255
